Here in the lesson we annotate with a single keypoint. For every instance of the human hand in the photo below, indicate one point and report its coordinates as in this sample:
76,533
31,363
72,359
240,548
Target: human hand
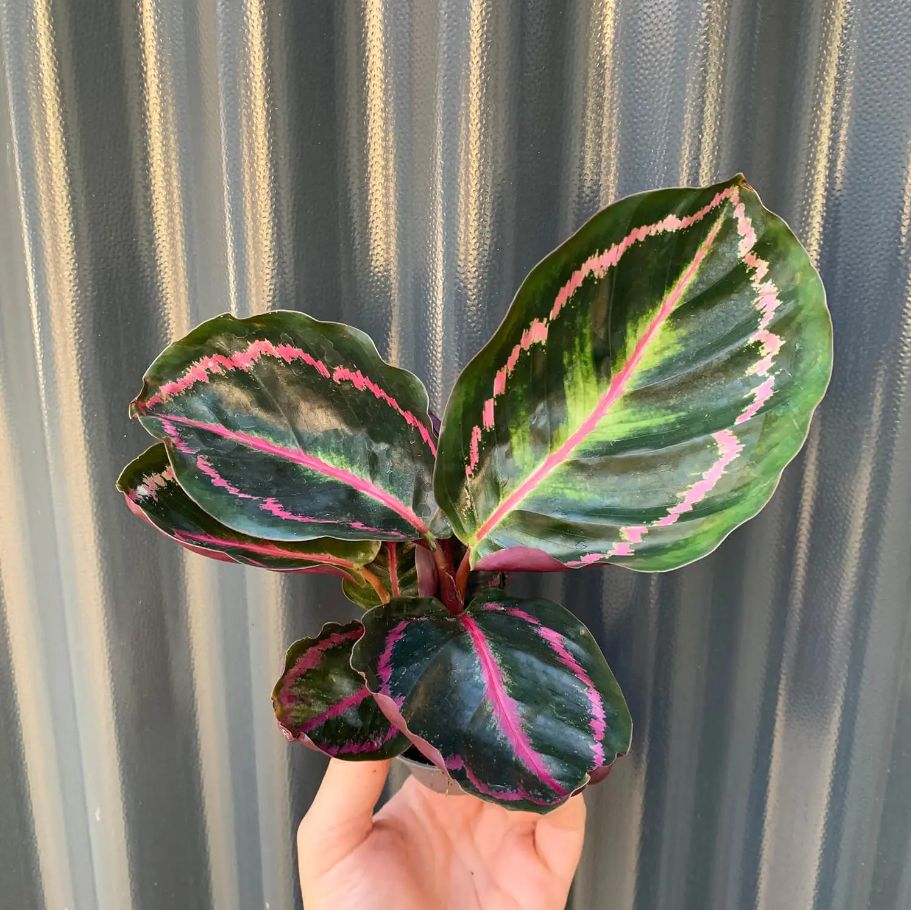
426,851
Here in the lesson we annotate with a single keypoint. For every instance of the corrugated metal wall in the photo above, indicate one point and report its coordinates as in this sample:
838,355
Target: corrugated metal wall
400,166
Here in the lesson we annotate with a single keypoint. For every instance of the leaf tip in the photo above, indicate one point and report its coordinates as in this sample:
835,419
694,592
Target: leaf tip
120,484
740,179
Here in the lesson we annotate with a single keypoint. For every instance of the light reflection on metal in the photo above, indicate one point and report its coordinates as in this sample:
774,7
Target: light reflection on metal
256,140
164,171
55,296
380,169
476,164
704,110
830,81
595,100
24,647
212,725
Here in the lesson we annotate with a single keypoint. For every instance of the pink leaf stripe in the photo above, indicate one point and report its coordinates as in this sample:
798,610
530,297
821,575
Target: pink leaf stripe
269,504
614,391
311,660
767,302
205,466
339,708
148,487
596,265
355,748
729,446
266,549
598,723
384,667
458,763
214,364
504,708
274,507
294,455
202,543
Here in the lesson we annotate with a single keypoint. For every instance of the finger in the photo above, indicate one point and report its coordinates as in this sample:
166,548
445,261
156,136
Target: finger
559,836
341,814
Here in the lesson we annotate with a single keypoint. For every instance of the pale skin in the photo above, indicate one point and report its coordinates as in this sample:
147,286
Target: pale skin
428,851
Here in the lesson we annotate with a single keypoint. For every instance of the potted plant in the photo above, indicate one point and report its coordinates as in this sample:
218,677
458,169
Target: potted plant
650,381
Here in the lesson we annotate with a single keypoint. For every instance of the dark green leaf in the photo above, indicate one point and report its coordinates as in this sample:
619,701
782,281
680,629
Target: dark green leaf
152,492
321,702
284,427
513,697
649,383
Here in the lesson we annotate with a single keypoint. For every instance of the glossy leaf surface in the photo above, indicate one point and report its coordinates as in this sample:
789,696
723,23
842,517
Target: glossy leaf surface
321,702
649,383
152,492
284,427
513,697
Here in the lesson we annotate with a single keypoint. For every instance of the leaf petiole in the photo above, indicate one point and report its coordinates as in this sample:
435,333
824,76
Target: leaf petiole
464,570
376,584
448,591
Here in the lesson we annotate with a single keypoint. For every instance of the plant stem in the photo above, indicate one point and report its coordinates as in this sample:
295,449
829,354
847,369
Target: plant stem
448,592
393,568
462,574
439,557
376,584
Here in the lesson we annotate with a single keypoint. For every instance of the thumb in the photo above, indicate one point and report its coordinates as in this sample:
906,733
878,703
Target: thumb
559,836
341,815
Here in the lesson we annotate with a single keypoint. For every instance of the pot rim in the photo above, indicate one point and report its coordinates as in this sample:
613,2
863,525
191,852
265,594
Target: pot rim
430,776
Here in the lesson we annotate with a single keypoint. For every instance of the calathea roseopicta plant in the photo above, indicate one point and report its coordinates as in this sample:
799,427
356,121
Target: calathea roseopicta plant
649,383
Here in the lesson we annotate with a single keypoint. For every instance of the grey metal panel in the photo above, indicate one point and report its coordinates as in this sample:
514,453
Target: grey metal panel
400,166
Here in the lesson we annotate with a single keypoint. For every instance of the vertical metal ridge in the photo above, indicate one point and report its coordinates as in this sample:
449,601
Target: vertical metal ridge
163,165
267,599
704,112
829,83
39,132
213,745
257,157
244,91
594,112
25,652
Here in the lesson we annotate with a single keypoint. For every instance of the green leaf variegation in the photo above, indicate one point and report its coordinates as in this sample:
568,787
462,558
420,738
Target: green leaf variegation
284,427
512,697
321,702
648,385
152,492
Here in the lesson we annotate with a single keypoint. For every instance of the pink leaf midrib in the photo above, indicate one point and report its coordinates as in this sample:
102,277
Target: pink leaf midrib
269,549
597,264
614,391
557,644
305,460
340,707
312,658
504,709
